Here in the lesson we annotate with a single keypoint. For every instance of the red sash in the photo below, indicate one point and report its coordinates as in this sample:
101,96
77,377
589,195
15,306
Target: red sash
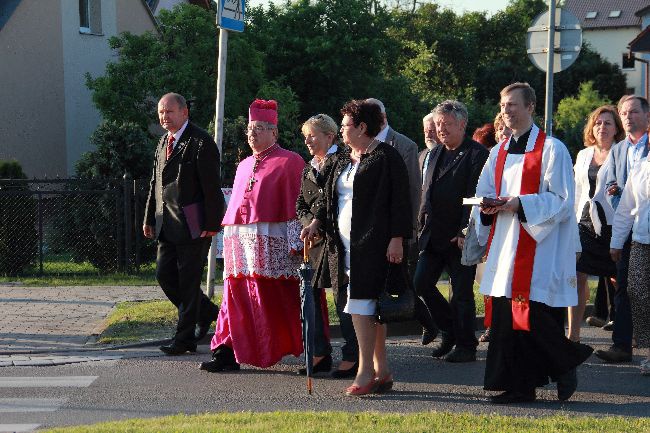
526,245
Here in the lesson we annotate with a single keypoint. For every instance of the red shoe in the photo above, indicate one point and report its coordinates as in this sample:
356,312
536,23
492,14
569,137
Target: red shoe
384,384
356,390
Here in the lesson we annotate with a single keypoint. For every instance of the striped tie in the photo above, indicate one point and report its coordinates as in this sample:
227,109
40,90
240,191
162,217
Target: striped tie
170,147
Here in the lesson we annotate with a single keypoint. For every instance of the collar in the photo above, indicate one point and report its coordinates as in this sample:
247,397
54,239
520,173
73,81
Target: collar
314,162
641,143
178,134
383,133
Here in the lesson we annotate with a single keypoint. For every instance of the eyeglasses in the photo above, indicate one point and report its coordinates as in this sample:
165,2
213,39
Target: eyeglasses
343,126
258,128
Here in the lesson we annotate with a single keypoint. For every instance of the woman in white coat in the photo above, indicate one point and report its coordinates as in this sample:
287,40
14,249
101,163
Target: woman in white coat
594,213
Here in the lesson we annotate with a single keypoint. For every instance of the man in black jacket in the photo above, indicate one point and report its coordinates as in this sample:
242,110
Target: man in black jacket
452,174
184,210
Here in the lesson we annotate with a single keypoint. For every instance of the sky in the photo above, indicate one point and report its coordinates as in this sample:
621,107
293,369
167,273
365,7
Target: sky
459,6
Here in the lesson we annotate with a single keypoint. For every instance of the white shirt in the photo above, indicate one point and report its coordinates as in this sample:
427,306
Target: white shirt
550,222
179,133
633,211
382,134
581,170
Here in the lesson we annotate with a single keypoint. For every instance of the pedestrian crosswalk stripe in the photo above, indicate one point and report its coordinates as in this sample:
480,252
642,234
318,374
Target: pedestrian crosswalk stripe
18,428
31,404
47,382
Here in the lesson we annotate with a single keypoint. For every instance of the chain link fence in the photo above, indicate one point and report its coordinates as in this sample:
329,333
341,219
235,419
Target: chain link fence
72,227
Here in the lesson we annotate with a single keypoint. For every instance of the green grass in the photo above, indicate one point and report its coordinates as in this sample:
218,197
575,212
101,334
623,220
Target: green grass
132,322
64,272
366,422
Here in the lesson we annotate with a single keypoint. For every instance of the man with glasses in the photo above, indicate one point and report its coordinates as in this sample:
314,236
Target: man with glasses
451,175
259,321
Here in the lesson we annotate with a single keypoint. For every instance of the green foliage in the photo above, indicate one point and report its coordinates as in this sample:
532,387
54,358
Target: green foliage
572,113
313,56
18,236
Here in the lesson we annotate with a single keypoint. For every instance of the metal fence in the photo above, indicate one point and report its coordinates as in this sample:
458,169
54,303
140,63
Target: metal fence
71,226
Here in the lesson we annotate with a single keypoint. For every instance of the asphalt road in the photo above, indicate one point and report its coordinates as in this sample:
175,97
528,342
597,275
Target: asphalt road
145,384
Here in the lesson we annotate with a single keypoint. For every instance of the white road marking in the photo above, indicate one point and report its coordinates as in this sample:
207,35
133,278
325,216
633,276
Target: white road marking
16,405
4,428
47,382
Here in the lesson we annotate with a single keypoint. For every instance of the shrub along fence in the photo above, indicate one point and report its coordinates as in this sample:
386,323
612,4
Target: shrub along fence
72,226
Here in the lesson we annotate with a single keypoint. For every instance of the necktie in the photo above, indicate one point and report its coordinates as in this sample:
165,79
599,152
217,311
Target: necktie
170,147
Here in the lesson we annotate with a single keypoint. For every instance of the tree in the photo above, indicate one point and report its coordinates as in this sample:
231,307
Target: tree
18,237
572,113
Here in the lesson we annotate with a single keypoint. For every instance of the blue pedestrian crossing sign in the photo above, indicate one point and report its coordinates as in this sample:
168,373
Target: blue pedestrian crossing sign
231,15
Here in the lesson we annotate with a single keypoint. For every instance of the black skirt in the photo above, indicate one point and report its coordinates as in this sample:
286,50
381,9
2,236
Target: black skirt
595,258
524,360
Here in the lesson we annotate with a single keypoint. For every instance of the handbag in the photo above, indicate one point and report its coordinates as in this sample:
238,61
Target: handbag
473,252
396,301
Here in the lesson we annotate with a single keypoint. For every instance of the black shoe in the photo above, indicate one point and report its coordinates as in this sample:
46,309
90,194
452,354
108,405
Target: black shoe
510,397
428,336
350,372
446,344
614,355
567,384
177,349
460,354
201,330
596,321
223,359
323,366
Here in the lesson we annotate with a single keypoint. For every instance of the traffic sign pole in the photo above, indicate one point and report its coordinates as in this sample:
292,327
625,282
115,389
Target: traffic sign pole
218,138
229,17
550,60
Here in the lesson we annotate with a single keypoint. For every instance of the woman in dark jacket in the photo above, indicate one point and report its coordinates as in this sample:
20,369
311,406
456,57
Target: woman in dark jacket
320,133
365,232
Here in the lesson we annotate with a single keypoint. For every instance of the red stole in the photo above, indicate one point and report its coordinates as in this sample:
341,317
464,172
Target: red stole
526,245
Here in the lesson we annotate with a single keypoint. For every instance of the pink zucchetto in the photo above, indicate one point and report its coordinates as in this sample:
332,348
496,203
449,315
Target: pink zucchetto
265,111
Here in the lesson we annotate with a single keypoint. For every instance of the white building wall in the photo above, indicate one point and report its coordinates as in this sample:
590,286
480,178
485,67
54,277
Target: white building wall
82,53
611,44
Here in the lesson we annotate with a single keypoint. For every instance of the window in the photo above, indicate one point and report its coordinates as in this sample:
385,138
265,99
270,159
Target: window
628,61
90,17
614,14
591,15
84,16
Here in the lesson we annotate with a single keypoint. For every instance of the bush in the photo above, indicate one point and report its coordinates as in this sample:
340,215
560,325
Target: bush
18,235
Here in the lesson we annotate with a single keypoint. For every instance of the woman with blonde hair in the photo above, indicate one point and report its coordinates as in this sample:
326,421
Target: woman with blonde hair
595,215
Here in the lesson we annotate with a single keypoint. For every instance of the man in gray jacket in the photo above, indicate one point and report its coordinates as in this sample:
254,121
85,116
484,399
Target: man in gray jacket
623,157
409,152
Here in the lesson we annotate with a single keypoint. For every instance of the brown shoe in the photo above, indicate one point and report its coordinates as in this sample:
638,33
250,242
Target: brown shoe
596,321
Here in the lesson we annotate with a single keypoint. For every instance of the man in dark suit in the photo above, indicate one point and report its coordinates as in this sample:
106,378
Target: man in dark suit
452,174
184,210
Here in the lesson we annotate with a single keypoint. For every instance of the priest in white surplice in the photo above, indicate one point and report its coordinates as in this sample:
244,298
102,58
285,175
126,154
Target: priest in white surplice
530,271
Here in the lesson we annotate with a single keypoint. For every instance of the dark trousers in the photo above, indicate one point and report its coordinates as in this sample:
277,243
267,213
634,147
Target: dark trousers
458,317
322,345
622,335
350,348
604,302
179,268
523,360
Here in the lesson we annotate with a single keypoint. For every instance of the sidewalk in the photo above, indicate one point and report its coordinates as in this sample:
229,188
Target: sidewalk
56,319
